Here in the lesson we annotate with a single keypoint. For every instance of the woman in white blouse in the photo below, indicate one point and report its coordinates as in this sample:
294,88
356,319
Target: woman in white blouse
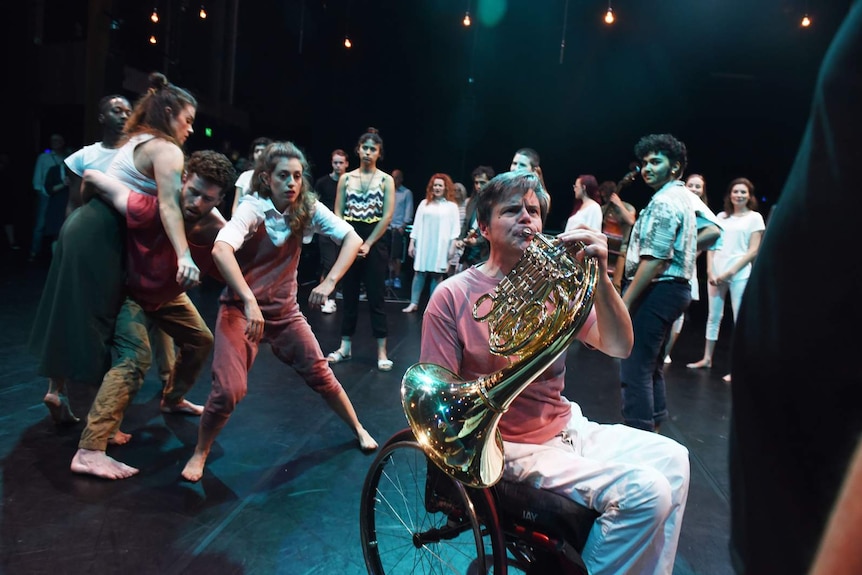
587,209
435,229
728,268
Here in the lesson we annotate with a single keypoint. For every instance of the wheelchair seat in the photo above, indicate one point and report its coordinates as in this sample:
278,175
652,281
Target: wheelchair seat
540,510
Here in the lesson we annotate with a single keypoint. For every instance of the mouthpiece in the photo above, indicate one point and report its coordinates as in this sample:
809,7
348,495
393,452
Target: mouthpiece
527,232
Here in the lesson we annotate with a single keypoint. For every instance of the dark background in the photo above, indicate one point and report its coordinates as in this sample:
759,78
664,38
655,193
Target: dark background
731,78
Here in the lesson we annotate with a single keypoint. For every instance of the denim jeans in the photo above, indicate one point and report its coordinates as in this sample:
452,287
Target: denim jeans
644,401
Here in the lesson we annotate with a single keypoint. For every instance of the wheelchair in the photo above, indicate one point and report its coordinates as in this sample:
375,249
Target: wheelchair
416,519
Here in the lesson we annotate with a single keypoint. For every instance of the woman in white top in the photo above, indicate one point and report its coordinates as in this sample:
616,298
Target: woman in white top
587,209
728,268
697,186
432,240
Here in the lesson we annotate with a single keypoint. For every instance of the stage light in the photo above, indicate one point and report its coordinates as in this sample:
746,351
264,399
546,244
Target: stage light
806,21
208,132
466,21
203,13
347,42
153,39
154,16
609,15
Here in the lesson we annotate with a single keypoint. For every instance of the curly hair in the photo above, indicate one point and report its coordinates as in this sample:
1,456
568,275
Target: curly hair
303,207
149,114
213,167
665,144
447,184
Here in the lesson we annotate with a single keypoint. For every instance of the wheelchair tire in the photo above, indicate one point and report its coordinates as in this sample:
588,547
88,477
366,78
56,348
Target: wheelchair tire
416,519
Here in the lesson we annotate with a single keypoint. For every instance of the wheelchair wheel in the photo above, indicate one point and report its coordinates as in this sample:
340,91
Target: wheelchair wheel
416,519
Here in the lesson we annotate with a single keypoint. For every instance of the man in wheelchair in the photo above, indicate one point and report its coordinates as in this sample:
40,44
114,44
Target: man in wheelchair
637,481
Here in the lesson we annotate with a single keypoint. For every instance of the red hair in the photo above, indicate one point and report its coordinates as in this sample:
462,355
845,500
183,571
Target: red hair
447,183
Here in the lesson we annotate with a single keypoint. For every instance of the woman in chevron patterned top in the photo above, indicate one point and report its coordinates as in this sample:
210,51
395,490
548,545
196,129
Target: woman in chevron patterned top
365,198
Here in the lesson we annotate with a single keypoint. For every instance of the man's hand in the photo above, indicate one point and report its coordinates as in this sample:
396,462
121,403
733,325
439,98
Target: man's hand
188,273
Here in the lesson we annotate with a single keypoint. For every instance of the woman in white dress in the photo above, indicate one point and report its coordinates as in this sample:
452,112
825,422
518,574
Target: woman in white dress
728,268
435,229
587,209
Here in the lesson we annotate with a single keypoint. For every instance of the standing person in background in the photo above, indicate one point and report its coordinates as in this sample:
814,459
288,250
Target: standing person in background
49,178
659,266
470,241
618,217
728,269
114,110
432,239
326,188
402,217
366,200
257,253
74,322
587,210
243,181
461,201
697,186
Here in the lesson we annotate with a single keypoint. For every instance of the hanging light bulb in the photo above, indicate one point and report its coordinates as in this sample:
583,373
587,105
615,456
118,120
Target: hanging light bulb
153,39
609,15
154,16
466,21
806,21
203,13
347,42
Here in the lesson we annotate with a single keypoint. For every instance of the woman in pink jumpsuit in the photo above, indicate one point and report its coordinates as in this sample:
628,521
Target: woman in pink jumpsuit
257,253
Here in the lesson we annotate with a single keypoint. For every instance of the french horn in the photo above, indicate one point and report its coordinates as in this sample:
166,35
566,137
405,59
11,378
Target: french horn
533,315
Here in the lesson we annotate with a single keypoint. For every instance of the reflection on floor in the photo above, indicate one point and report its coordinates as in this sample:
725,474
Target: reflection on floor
281,491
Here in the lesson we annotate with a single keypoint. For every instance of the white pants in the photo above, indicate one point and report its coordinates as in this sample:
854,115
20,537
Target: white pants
716,295
636,479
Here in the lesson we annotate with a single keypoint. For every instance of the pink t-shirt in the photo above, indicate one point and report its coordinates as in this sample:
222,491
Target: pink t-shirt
453,339
152,262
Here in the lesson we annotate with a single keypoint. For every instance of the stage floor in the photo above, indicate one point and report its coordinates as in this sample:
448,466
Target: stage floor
281,489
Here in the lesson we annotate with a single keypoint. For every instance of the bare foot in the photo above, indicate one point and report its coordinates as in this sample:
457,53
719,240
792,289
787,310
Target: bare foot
366,442
194,469
120,438
700,364
92,462
58,406
184,407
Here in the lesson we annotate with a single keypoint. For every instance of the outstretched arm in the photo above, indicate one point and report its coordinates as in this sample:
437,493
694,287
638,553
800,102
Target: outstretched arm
109,188
349,248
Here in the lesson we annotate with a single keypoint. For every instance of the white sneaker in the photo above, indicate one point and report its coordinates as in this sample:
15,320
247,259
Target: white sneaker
329,306
667,359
